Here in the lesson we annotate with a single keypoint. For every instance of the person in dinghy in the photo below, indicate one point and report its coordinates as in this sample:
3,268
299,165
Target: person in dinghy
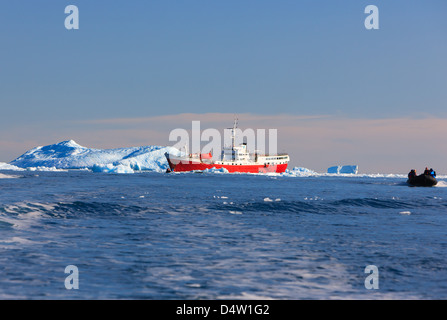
427,179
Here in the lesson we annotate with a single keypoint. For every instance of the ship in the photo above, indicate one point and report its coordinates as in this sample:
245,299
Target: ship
234,158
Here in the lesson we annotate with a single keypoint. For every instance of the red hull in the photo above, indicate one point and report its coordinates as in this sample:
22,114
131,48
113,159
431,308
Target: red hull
178,165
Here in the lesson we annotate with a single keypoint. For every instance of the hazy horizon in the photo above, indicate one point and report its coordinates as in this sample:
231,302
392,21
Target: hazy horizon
314,142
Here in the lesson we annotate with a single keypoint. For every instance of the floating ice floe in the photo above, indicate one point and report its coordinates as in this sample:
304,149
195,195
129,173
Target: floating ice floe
7,176
214,170
299,172
343,169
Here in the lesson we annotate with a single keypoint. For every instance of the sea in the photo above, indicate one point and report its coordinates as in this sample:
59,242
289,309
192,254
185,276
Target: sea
77,234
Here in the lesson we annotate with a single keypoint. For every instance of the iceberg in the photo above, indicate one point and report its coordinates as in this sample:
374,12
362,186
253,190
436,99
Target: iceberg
343,169
70,155
6,166
299,172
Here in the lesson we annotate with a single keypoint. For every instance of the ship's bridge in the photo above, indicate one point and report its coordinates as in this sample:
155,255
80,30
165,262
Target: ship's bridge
239,153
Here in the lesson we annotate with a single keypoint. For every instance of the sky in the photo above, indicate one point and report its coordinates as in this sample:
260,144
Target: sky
337,92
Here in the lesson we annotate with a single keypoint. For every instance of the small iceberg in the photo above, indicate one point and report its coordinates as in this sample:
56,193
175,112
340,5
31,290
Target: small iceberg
214,170
343,169
299,172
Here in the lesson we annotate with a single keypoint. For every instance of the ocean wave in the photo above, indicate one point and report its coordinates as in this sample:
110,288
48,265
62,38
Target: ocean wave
22,215
316,205
372,203
270,207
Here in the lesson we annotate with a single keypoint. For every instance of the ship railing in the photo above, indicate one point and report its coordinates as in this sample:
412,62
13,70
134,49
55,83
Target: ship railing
269,155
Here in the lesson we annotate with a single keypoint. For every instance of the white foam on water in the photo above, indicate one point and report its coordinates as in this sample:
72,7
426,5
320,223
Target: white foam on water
8,176
441,184
245,296
25,215
18,240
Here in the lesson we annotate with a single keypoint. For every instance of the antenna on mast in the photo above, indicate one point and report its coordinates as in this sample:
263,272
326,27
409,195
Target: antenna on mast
233,131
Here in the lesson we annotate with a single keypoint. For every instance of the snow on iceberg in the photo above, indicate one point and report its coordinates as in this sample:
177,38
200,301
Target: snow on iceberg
343,169
5,166
70,155
45,169
110,168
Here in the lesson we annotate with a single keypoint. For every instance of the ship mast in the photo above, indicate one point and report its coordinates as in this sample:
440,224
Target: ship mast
233,133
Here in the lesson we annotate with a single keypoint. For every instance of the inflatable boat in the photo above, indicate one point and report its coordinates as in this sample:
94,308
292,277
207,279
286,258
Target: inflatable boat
423,180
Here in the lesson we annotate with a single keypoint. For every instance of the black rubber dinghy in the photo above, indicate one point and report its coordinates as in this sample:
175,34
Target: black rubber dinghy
423,180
